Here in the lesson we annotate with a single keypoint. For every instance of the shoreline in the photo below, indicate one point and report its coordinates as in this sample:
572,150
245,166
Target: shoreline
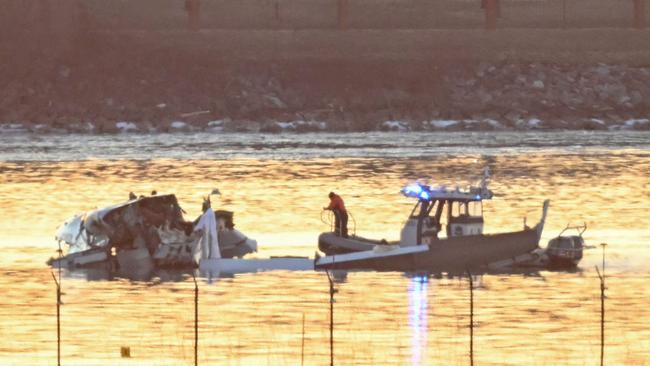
281,81
300,127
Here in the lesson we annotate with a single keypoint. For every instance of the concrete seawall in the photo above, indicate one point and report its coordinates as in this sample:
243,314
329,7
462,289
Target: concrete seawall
361,14
435,46
554,30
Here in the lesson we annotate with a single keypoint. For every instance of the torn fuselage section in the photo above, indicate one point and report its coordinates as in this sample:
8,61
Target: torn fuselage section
150,231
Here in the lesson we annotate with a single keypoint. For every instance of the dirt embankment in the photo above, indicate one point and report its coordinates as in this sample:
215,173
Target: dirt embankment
343,81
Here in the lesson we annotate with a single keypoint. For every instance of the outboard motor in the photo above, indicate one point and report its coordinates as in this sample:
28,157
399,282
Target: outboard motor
566,251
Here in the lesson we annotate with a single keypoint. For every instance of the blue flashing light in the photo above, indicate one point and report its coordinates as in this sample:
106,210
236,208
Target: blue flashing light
418,191
414,188
478,197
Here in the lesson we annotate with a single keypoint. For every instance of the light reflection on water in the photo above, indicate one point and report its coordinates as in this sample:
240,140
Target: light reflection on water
535,317
418,314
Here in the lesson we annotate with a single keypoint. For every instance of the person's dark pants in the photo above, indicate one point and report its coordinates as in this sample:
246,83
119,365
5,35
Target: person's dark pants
341,223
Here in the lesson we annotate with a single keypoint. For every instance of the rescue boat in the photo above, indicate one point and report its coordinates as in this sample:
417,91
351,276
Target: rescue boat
444,232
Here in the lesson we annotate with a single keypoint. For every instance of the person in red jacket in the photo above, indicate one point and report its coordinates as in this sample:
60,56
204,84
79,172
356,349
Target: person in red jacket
340,214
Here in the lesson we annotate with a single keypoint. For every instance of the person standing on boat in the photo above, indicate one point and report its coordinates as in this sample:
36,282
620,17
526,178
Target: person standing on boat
337,206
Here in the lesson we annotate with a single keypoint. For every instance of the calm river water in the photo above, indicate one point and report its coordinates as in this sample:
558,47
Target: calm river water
277,184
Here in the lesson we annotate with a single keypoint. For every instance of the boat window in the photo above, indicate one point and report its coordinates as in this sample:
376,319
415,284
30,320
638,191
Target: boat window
455,209
458,208
475,208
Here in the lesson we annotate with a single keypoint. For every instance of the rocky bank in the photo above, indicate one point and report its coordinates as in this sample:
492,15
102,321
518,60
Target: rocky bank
160,93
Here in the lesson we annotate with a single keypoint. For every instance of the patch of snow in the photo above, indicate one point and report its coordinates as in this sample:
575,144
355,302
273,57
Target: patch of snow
538,84
12,128
442,124
161,105
318,125
633,123
313,125
399,126
530,124
178,125
470,124
126,126
286,125
598,121
301,126
495,124
216,126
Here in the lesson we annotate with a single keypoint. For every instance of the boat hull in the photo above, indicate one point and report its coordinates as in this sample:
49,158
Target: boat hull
446,255
562,262
331,244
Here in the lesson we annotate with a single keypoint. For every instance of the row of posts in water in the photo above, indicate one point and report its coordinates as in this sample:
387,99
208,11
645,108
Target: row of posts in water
126,351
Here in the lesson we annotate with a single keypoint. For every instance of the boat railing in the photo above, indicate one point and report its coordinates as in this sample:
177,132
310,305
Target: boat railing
579,228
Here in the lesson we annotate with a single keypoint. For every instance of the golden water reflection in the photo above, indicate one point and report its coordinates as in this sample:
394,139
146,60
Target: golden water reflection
537,318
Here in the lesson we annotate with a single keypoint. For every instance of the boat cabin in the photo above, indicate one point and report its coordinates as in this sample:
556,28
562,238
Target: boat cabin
464,218
459,213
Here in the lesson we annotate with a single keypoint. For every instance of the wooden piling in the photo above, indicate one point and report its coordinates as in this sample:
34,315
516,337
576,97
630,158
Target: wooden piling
193,9
471,318
602,317
276,14
639,14
58,306
196,321
332,292
343,14
602,308
491,14
58,318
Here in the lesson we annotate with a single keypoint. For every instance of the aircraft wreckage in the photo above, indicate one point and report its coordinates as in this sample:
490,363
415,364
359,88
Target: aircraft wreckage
150,229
